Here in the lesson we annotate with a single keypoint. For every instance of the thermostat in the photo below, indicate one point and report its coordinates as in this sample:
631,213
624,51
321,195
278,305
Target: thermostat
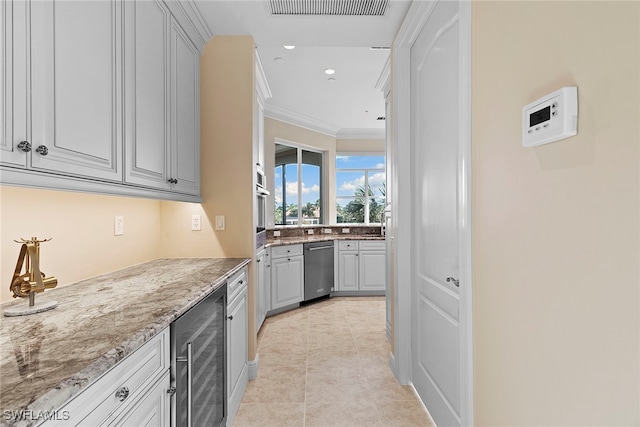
550,118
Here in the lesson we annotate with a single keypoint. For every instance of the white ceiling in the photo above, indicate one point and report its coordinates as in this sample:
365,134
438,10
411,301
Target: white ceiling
301,92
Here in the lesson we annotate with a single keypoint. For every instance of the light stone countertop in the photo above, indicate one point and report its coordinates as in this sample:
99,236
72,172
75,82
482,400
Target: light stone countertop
319,238
49,357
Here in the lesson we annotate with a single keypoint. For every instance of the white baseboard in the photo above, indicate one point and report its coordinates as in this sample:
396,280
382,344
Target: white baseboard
253,368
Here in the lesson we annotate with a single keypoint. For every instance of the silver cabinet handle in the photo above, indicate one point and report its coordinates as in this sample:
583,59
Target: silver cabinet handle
122,394
42,150
172,181
454,281
24,146
188,360
317,248
189,383
171,391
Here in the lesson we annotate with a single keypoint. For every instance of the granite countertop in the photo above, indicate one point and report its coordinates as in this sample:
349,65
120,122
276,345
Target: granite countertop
319,238
49,357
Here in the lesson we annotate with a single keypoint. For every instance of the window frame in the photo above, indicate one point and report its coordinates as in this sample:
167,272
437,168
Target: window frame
299,148
367,172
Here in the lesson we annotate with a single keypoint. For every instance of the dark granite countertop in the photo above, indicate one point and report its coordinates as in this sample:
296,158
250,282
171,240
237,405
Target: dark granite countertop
279,241
49,357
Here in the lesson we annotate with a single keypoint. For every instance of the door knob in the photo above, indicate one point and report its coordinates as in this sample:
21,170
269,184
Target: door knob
454,281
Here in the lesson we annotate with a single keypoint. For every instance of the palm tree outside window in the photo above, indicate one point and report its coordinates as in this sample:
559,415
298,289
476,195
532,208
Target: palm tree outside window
360,188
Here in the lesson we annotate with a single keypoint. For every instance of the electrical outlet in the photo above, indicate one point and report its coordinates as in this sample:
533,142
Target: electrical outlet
310,232
345,231
118,225
326,231
196,222
276,233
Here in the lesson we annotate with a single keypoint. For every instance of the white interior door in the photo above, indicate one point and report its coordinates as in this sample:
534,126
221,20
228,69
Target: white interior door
435,138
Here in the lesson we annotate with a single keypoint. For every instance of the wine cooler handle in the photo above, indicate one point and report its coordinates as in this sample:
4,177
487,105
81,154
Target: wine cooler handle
189,384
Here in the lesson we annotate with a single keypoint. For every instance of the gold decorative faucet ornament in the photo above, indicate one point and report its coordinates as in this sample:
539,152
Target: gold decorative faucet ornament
30,282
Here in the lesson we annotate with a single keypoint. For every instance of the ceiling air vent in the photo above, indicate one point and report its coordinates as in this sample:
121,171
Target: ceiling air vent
329,7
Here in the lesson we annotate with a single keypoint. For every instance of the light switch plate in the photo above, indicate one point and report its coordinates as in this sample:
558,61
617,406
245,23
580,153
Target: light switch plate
310,232
345,231
220,222
276,233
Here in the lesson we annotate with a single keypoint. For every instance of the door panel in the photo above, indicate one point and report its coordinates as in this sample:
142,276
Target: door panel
434,151
75,76
186,142
147,93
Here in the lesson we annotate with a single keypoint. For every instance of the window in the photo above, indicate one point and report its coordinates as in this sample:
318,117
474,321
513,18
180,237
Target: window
294,189
360,188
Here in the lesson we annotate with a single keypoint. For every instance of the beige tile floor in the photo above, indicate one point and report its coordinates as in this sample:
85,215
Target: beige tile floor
326,364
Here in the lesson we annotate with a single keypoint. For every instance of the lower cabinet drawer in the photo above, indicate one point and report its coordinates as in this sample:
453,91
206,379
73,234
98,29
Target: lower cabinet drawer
236,283
112,393
373,245
285,251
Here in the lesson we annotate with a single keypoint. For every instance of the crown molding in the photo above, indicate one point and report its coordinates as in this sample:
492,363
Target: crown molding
352,133
262,85
385,76
300,120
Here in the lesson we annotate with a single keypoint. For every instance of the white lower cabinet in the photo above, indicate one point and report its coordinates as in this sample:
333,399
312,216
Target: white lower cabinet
237,343
151,410
261,270
287,275
361,266
132,393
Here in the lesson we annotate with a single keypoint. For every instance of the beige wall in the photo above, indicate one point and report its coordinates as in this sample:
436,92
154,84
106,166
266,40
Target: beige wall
556,227
81,226
276,129
360,145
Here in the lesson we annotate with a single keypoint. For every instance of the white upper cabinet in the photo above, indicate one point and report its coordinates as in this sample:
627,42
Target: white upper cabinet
185,112
72,86
147,93
101,96
162,100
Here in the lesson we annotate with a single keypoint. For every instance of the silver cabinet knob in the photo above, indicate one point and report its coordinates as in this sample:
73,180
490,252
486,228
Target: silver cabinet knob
171,391
24,146
42,150
122,394
454,281
230,317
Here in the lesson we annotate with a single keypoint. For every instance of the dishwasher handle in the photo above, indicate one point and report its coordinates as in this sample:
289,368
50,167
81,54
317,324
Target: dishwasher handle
317,248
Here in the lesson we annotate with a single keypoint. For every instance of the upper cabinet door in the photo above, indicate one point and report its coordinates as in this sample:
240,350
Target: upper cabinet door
147,93
75,87
9,151
185,112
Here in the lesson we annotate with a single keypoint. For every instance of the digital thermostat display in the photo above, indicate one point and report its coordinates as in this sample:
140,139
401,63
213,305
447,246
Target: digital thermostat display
550,118
539,116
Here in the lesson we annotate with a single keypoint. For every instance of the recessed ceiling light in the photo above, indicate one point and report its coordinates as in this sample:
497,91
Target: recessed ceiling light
329,71
279,60
289,47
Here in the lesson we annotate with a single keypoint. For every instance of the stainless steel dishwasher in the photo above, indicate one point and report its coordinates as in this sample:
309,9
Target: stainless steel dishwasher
318,269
